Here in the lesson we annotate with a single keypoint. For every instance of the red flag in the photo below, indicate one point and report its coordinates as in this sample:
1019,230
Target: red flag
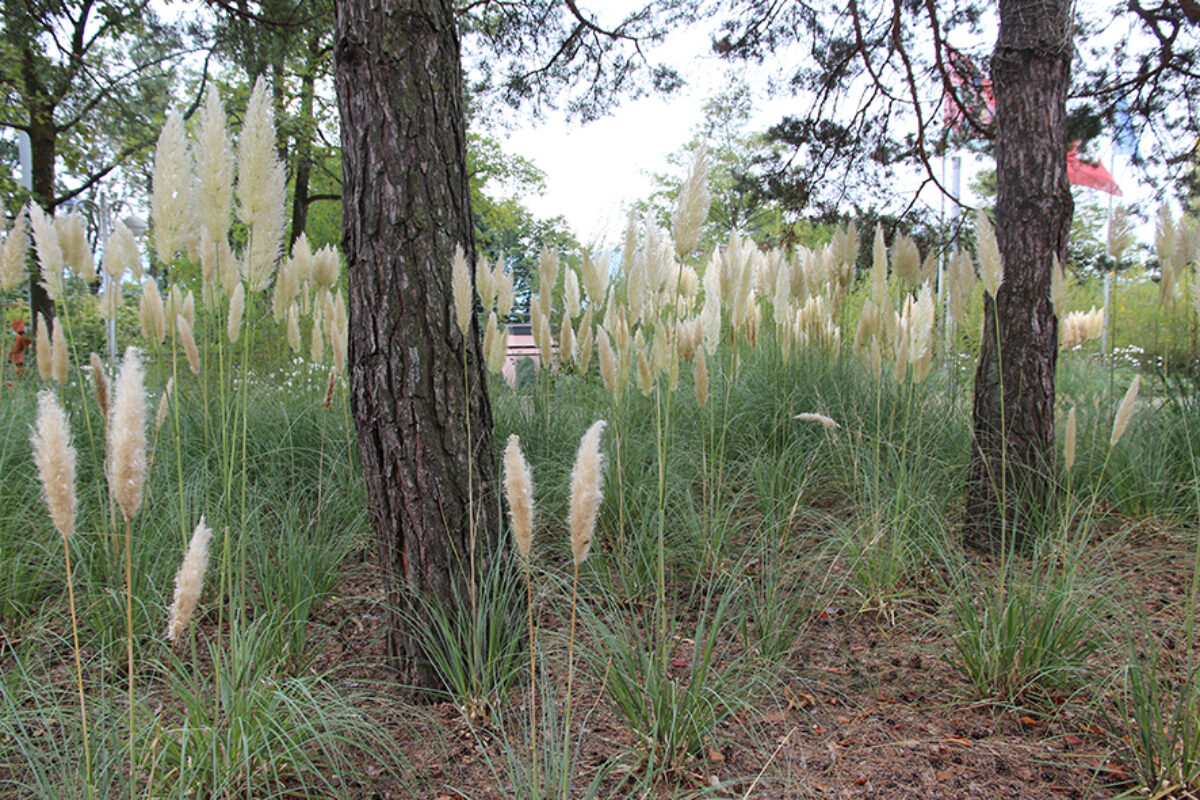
1091,174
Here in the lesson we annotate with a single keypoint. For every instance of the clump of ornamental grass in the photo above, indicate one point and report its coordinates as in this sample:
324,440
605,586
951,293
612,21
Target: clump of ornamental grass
1081,326
54,456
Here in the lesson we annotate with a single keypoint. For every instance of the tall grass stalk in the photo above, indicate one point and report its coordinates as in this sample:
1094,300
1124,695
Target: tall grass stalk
586,493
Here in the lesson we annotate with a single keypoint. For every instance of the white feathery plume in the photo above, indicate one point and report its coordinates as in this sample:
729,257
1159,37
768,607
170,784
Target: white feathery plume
237,307
587,480
72,238
189,343
189,582
991,265
261,184
121,253
692,205
293,328
962,283
326,266
151,313
518,490
1058,287
127,435
571,293
608,361
879,269
828,422
505,293
43,349
490,332
213,156
59,357
906,260
1125,411
49,254
584,342
110,300
460,281
12,253
485,283
55,458
595,279
170,212
164,405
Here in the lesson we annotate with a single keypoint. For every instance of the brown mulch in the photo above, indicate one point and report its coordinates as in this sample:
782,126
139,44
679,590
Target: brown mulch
870,709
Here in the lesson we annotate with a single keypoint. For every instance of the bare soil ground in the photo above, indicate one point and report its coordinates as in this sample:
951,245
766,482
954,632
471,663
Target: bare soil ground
868,708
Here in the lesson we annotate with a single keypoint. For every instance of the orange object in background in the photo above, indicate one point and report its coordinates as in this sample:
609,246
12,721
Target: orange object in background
17,353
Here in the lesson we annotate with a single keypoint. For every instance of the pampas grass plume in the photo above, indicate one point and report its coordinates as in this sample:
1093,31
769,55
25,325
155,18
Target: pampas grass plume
293,328
505,292
169,205
608,361
12,254
1058,287
906,260
189,581
72,238
237,307
460,281
518,490
879,268
692,205
121,253
59,358
1069,447
49,254
189,343
151,314
991,266
485,283
261,188
55,459
587,480
1125,411
100,384
164,403
127,435
213,156
329,386
43,351
571,293
828,422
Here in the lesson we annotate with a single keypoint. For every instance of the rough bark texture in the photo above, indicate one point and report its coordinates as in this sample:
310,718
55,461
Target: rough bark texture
425,438
1010,478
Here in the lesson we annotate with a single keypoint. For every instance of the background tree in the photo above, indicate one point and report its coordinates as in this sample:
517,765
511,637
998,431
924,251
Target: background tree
86,83
871,84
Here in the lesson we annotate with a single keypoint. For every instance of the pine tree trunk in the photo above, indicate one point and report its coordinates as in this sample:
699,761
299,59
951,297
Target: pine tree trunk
425,439
1012,464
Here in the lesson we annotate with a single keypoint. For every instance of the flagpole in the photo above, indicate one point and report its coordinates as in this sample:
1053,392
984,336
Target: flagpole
1104,332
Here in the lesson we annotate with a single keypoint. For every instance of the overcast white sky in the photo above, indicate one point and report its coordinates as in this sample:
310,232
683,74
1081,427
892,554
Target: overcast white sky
595,172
